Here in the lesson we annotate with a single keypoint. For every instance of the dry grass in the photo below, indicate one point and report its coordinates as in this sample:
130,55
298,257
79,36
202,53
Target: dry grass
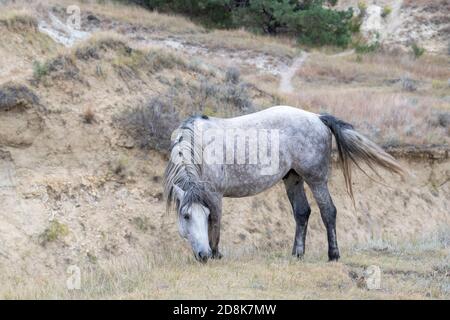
111,49
244,40
414,270
153,20
101,40
134,15
20,43
373,68
430,4
426,67
122,53
389,118
18,19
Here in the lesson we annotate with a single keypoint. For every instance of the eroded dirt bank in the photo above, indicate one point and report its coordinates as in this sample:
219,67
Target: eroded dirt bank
68,208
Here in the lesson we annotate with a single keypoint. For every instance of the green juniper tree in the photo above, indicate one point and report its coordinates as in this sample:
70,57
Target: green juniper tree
314,22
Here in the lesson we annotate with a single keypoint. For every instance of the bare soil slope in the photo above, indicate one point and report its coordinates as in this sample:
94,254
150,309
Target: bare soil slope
404,22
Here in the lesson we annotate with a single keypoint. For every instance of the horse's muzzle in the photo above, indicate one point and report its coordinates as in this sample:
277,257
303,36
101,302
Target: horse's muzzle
203,256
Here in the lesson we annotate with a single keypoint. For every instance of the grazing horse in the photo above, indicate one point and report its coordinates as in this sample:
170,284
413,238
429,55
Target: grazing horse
212,158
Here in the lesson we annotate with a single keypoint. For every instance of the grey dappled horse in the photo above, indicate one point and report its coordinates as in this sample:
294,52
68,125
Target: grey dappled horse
203,169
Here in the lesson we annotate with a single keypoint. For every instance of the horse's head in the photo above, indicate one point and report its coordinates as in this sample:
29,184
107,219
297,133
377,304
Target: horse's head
193,224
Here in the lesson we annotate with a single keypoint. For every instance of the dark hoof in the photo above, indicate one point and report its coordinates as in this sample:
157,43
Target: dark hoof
333,255
298,253
216,255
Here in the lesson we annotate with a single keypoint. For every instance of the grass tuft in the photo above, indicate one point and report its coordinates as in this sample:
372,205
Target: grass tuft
18,20
417,50
386,11
55,231
40,70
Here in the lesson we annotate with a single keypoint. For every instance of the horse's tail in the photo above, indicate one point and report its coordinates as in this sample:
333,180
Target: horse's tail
354,147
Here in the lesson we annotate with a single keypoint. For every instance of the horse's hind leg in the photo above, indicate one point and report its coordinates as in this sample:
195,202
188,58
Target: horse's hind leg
300,206
328,213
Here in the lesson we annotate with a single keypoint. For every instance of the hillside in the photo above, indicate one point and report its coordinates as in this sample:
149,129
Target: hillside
81,173
405,22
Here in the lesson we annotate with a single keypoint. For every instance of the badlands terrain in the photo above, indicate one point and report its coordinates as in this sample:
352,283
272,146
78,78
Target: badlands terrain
83,146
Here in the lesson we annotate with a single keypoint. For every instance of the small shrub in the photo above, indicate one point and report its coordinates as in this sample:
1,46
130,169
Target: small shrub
417,50
442,119
386,11
55,231
16,96
233,75
355,24
119,167
408,84
60,67
238,96
92,258
134,60
235,95
362,6
160,59
40,70
439,84
92,48
197,66
152,123
363,48
99,71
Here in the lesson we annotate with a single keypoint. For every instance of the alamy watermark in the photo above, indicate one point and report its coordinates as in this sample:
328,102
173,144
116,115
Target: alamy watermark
372,275
214,146
74,19
73,281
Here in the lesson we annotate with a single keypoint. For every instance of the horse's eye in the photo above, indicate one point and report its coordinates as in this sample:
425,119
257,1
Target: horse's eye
186,216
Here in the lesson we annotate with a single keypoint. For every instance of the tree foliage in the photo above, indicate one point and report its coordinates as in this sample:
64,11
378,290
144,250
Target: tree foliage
314,22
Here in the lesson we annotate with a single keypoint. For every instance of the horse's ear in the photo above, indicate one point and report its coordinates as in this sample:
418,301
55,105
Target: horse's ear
179,193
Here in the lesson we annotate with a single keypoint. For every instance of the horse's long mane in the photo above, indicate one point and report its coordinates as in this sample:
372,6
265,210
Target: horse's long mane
185,173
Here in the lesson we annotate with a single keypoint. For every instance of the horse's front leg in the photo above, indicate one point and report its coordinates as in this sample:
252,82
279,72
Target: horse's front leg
214,233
